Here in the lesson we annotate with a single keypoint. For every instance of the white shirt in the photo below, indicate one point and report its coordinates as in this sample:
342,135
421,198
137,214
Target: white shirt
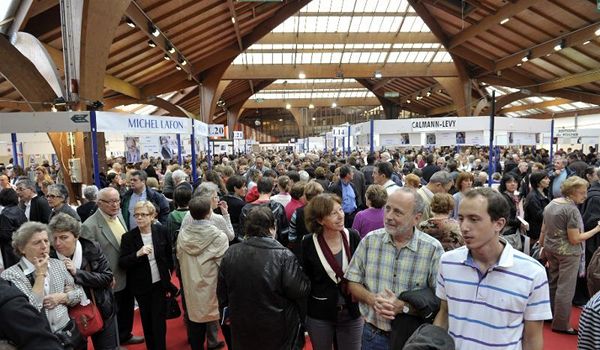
28,206
147,240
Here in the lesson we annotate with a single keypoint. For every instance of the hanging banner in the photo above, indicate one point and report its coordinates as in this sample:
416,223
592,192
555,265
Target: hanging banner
430,139
445,139
474,138
201,128
29,122
434,124
520,138
238,135
142,124
216,130
389,140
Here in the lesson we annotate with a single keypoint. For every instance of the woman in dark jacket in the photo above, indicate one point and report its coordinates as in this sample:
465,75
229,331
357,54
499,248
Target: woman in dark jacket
262,286
11,218
508,188
326,254
535,203
147,257
90,269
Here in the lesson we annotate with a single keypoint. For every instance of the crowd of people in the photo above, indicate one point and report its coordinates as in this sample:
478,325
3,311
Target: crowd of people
379,250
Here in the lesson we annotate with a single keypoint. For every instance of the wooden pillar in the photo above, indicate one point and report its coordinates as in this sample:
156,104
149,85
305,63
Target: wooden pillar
460,92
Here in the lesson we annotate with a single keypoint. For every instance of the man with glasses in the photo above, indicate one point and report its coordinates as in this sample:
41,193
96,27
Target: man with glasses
139,192
106,226
36,207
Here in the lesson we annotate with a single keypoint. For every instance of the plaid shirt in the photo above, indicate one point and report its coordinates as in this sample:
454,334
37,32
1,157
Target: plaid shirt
377,264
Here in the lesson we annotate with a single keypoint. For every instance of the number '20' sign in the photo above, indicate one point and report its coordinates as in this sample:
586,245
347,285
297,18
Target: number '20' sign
217,130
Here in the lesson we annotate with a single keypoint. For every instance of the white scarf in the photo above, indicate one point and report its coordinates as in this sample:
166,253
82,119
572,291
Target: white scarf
324,262
77,255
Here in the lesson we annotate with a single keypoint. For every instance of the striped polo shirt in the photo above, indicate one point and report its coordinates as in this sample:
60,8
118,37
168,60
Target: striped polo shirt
589,325
487,310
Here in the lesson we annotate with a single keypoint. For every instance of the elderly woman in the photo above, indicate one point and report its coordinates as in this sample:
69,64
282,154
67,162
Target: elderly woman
464,182
268,314
90,193
11,218
57,197
371,218
90,269
326,254
45,281
222,222
440,226
562,237
146,255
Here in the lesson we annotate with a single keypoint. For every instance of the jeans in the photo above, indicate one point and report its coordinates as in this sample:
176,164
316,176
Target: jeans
372,339
345,329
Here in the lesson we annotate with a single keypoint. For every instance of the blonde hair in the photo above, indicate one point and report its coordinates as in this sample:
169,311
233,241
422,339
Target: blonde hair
571,184
146,204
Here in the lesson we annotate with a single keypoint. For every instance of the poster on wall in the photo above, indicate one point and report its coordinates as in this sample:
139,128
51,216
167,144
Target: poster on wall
460,138
168,147
414,139
474,138
521,138
404,139
150,145
430,139
133,152
445,139
389,140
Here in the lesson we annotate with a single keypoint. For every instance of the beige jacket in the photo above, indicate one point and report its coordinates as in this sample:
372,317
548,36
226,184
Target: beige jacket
200,248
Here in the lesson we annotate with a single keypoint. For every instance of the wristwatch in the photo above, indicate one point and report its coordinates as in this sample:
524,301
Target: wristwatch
405,309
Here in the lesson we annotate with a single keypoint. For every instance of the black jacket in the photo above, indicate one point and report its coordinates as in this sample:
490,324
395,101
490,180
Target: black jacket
591,215
534,212
324,293
513,224
160,202
234,207
86,210
11,219
281,220
40,210
98,279
139,276
428,170
336,188
263,285
21,324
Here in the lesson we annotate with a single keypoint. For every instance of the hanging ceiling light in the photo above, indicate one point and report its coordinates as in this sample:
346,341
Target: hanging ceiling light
129,22
151,43
170,48
311,106
288,106
333,105
301,75
155,32
166,57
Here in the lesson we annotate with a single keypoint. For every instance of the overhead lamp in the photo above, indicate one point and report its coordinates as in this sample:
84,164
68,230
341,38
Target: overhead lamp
428,93
504,21
233,20
301,75
280,119
129,22
526,57
313,118
408,101
166,57
155,32
597,32
170,48
311,106
418,98
587,42
53,109
519,64
560,45
378,74
333,105
288,106
151,43
178,67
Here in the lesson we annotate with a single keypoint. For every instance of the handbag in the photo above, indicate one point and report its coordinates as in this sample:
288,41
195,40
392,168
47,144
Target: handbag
70,337
87,317
173,310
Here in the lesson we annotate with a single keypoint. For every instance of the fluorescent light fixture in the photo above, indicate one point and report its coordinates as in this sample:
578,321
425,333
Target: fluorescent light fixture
182,61
525,58
233,20
170,48
559,46
177,67
166,57
587,42
519,64
288,106
301,75
130,22
155,32
311,106
333,105
504,21
151,43
378,74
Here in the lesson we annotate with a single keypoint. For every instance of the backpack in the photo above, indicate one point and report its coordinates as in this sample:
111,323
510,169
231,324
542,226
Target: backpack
593,273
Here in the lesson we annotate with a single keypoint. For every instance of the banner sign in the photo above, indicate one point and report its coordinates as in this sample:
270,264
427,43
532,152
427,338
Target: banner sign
27,122
216,130
340,131
238,135
434,124
142,124
564,132
201,128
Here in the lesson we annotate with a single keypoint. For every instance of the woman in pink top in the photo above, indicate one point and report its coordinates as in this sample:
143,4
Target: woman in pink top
371,218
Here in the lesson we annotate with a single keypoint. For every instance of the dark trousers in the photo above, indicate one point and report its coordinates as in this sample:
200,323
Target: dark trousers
154,317
107,338
196,334
125,305
349,218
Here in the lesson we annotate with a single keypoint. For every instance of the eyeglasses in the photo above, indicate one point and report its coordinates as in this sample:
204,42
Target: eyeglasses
140,215
113,202
53,196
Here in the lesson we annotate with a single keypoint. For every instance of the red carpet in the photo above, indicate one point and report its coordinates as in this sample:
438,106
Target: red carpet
177,336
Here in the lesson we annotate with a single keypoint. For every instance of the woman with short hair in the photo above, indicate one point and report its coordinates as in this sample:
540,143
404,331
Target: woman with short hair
371,218
562,237
464,182
441,226
326,254
11,218
45,281
58,197
90,269
268,316
535,203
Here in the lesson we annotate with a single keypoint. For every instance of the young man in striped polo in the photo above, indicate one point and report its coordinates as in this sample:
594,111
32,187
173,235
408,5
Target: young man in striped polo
493,296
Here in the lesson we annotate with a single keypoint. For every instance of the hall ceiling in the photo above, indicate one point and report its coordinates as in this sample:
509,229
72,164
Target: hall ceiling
340,45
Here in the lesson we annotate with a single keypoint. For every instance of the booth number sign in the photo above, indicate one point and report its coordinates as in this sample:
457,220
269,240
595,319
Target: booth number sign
217,130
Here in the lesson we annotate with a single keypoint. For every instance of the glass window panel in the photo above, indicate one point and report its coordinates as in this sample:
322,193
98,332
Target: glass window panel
267,58
287,58
382,6
393,57
348,5
370,6
402,57
326,57
336,5
408,22
412,56
421,56
317,57
555,108
336,57
365,24
428,57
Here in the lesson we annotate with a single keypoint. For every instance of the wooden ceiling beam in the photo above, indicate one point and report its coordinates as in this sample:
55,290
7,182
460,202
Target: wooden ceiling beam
348,38
590,76
317,102
328,71
314,86
573,38
236,25
524,107
507,11
246,95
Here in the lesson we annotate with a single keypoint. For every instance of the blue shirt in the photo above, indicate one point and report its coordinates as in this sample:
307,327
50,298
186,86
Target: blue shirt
348,198
556,193
132,202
